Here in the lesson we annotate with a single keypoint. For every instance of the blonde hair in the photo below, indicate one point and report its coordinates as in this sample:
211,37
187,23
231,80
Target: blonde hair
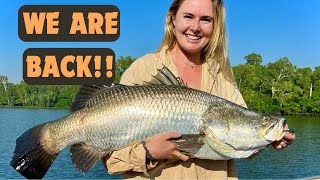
215,52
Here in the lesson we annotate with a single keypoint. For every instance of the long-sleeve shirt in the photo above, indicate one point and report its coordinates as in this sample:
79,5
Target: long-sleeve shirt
131,160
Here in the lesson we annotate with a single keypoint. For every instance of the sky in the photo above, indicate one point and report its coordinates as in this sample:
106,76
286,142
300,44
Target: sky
272,28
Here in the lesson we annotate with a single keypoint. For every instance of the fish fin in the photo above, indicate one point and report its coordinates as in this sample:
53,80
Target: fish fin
30,158
166,77
189,143
84,157
85,93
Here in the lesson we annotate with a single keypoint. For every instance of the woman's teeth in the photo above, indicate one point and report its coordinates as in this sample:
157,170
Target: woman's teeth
193,37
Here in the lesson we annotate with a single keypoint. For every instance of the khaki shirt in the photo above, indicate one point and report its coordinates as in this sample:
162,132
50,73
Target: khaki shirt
130,161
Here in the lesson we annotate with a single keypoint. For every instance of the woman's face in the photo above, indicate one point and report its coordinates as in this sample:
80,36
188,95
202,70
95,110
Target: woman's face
193,25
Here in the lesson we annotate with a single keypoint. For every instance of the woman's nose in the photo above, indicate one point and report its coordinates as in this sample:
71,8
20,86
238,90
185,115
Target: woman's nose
195,27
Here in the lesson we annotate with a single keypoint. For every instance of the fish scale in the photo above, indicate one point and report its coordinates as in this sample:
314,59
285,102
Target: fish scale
136,116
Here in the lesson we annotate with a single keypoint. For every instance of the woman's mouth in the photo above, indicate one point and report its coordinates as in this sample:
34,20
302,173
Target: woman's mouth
193,38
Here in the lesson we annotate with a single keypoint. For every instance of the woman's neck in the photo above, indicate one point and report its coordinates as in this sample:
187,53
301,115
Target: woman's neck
184,57
189,67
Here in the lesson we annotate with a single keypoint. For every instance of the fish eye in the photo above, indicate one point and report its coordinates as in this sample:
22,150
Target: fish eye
267,118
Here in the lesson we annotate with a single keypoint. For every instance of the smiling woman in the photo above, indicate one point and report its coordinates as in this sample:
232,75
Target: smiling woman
193,49
193,26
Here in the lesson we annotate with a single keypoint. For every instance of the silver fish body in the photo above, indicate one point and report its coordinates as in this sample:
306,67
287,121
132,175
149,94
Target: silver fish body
105,119
125,114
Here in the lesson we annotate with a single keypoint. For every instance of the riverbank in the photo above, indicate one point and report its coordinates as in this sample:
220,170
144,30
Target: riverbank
31,107
67,108
299,114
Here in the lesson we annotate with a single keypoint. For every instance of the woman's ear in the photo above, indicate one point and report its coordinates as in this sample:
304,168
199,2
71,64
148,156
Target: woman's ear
173,19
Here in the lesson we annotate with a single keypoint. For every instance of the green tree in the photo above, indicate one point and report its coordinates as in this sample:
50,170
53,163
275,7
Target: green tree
247,76
121,65
315,95
249,80
316,79
253,59
5,86
66,95
303,80
22,90
278,75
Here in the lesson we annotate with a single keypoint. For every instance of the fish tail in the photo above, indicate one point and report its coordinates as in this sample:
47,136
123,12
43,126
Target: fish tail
31,158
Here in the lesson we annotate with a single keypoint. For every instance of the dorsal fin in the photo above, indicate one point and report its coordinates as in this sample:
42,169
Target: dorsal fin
166,77
85,93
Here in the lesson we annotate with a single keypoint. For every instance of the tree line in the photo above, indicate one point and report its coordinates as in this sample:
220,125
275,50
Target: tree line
46,96
277,87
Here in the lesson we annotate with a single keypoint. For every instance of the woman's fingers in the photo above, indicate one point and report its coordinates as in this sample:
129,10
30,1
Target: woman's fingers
180,156
287,139
160,146
289,136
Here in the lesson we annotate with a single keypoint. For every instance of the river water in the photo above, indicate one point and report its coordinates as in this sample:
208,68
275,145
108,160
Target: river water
300,160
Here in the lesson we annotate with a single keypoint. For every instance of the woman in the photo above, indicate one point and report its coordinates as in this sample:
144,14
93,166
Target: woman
194,49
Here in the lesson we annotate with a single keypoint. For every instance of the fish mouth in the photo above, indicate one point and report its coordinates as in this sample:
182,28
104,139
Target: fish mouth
275,132
284,123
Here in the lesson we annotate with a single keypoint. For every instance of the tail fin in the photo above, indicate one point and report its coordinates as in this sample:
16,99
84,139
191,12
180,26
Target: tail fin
30,158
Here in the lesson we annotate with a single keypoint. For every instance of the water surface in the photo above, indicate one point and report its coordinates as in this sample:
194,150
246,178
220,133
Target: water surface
15,121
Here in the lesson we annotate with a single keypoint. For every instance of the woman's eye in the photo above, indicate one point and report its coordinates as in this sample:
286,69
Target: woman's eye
207,21
188,17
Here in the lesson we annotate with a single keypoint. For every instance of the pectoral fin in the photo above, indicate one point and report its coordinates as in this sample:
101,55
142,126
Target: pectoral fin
84,157
189,144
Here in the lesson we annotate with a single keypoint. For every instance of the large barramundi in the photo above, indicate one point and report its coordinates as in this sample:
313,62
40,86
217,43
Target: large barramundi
105,119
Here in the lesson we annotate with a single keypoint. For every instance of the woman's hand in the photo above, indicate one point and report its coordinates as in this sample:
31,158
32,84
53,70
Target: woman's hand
160,146
285,141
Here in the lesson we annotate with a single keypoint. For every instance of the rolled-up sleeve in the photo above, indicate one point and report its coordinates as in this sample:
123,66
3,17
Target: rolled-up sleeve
131,158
